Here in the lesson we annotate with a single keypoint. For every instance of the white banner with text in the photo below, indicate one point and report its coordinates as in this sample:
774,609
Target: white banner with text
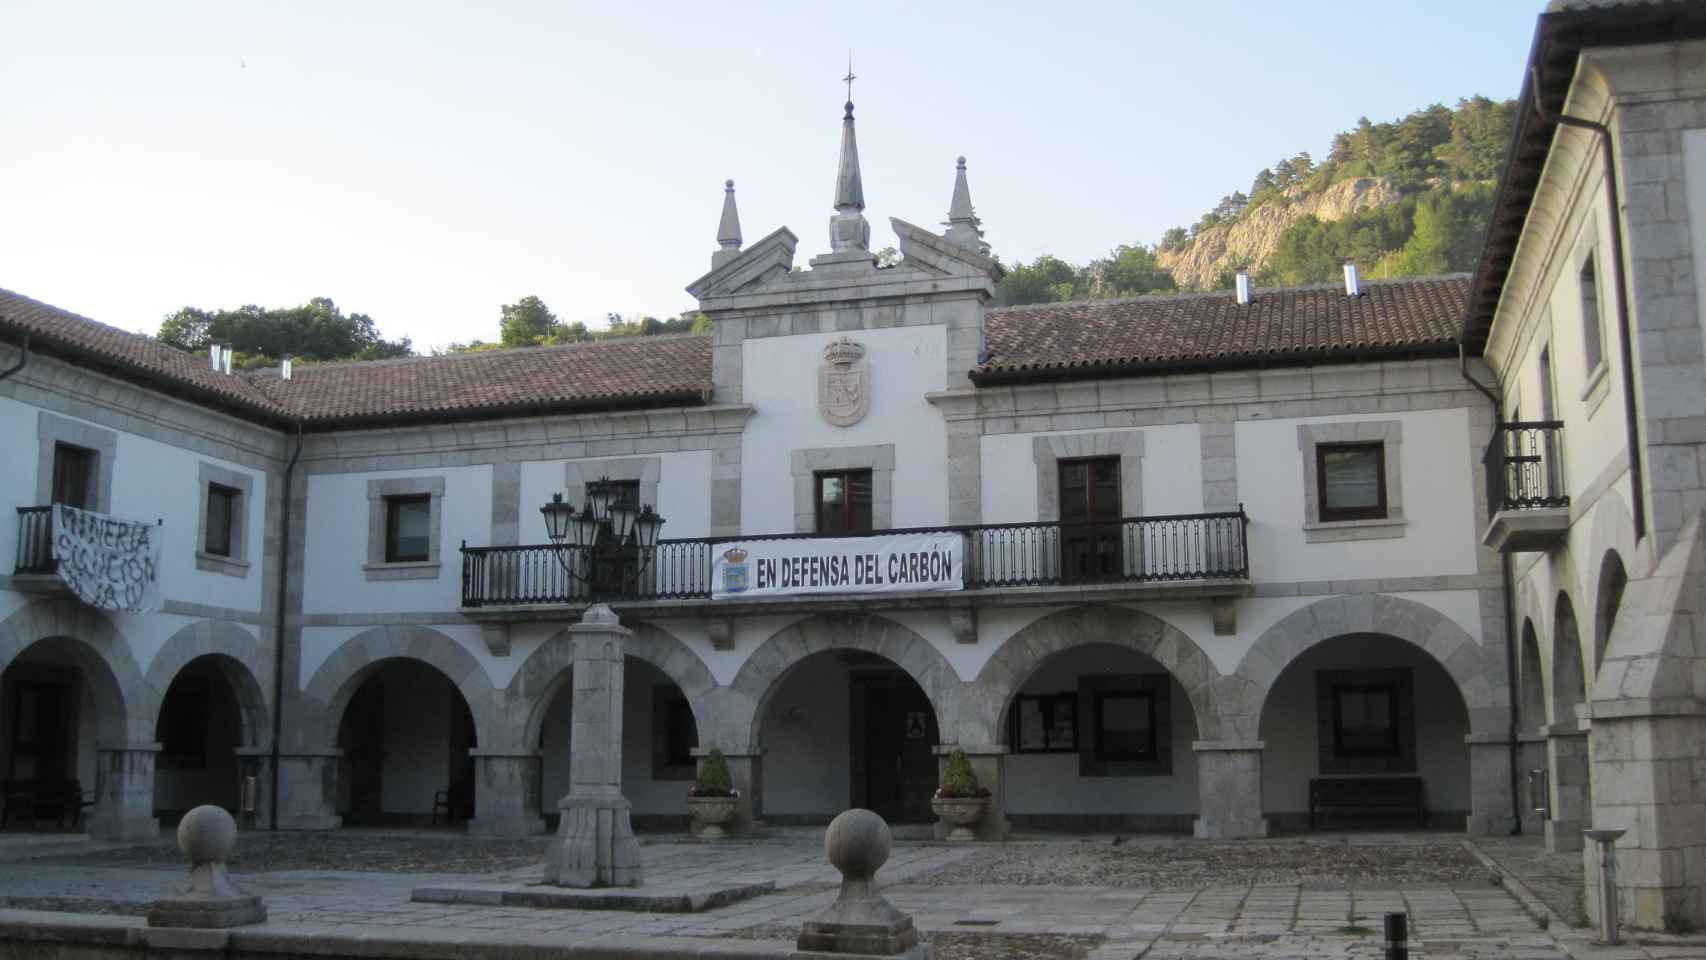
108,563
900,563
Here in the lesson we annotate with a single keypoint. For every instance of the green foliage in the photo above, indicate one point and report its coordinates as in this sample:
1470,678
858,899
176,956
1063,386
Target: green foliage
526,323
318,330
887,257
1173,239
1439,230
959,780
529,323
1047,279
1129,272
713,779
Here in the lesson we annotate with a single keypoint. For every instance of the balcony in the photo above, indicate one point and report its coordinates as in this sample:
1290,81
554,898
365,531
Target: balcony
35,542
1525,491
1187,555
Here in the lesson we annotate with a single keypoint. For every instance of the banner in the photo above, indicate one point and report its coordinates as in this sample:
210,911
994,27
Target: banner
902,563
109,563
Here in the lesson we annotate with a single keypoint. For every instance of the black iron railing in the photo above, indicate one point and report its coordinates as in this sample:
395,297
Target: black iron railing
1198,546
1522,465
35,540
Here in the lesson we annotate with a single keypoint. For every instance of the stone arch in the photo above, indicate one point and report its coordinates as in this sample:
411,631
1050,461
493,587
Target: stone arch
1611,532
244,663
343,672
1608,601
543,673
1531,680
770,663
1480,678
1015,660
89,638
1569,683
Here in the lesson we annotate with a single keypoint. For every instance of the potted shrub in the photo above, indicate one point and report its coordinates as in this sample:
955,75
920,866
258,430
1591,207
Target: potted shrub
960,800
713,798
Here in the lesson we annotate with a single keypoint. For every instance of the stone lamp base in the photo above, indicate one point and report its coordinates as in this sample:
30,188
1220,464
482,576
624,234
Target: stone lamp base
595,845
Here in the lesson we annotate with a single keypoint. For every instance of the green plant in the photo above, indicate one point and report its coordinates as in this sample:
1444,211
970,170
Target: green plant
1677,923
713,779
959,781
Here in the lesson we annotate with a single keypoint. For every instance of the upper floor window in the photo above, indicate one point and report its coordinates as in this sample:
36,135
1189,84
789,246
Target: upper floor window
1090,518
1352,481
408,528
73,475
614,567
1593,351
843,501
221,514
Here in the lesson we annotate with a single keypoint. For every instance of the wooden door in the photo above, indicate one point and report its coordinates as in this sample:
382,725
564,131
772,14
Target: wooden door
900,761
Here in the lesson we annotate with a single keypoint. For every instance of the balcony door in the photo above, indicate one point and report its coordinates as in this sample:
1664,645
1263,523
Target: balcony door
616,566
73,475
1090,520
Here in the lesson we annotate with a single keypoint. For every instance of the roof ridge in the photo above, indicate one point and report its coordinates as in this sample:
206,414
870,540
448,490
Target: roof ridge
536,350
1179,295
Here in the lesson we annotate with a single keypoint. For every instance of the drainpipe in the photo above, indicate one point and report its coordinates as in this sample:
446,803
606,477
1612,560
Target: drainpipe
278,635
1631,417
1507,585
23,360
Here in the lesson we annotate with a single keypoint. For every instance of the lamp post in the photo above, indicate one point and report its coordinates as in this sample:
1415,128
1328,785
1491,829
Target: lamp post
604,524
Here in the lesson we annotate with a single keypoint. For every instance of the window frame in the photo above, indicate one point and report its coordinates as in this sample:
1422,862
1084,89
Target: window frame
232,497
86,461
379,565
848,504
1332,758
1593,324
1098,749
394,504
1049,705
1332,514
1392,748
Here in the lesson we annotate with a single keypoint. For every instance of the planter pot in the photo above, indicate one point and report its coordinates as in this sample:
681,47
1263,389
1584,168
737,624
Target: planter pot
711,813
959,813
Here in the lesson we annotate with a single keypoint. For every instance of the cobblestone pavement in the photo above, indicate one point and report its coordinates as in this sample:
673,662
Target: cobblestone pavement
1556,878
1329,904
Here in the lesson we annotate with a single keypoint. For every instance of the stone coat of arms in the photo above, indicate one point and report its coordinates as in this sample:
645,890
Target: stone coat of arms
843,384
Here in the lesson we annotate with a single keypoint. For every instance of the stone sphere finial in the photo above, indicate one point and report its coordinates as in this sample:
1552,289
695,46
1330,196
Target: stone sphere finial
961,163
728,184
207,834
857,843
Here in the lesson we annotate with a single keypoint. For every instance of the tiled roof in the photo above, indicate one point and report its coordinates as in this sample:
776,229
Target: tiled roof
610,373
1182,331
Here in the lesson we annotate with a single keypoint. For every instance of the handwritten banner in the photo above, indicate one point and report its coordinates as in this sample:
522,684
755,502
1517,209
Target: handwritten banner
109,563
902,563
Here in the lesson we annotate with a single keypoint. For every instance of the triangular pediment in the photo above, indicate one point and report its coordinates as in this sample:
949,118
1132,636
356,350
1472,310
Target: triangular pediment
935,253
765,259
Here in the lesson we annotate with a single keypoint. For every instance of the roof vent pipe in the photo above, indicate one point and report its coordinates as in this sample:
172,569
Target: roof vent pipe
284,367
1243,287
213,354
1352,287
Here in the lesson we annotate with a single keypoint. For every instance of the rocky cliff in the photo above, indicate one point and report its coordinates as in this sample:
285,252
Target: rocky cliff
1252,237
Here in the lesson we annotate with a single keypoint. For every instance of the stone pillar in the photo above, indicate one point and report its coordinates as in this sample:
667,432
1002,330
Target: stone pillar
308,790
595,845
255,762
124,792
989,762
506,793
1229,789
1489,785
746,772
1567,763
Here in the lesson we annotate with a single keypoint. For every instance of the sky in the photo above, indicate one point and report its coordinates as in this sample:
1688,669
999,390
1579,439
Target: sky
426,162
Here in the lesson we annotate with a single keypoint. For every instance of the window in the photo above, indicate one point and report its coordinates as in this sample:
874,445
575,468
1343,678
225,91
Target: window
674,735
221,510
1045,724
1365,721
843,501
1089,518
1593,350
1125,726
73,475
408,528
1548,410
615,566
1352,478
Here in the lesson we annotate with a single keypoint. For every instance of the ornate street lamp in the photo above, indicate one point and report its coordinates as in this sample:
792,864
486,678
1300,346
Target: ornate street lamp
603,525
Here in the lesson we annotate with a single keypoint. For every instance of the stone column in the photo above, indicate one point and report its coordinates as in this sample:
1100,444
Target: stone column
989,762
506,793
746,772
595,845
255,762
1489,785
1229,789
124,792
308,789
1567,763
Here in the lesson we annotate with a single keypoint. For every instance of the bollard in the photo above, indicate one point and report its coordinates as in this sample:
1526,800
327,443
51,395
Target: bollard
1607,840
1397,936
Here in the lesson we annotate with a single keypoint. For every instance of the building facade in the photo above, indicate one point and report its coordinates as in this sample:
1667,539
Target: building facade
1184,558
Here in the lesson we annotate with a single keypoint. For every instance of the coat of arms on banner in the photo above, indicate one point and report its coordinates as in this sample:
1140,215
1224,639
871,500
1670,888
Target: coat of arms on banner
843,384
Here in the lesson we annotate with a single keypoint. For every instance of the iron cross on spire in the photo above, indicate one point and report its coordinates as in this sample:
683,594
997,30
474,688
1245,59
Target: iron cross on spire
849,78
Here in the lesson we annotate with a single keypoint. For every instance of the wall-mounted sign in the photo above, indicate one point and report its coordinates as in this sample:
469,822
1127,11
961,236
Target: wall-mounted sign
902,563
108,563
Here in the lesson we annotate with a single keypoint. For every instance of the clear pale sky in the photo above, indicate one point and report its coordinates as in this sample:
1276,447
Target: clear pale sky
426,162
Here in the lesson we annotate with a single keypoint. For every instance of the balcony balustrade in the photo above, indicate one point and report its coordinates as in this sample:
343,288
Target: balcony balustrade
1526,500
35,542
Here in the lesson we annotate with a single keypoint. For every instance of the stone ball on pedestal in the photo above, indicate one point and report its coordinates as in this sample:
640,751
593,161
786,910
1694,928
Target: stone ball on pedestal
207,834
857,843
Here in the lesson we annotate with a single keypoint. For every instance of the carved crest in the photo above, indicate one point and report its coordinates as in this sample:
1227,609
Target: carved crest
843,383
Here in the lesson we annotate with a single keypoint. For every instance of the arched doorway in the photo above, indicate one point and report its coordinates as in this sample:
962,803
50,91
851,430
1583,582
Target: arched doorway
212,707
1531,683
659,735
847,728
58,700
1364,705
405,734
1099,739
1613,579
1570,801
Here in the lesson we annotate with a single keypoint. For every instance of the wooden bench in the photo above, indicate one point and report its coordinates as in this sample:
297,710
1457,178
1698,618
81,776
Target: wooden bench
24,799
1366,794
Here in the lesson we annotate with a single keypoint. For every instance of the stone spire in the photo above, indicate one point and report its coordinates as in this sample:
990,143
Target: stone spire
728,229
848,231
964,228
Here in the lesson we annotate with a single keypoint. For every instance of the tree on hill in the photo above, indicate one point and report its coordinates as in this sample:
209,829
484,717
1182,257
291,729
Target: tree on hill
317,330
526,323
530,323
1047,279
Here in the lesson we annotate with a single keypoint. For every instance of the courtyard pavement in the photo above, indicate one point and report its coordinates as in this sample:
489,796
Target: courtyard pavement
1153,897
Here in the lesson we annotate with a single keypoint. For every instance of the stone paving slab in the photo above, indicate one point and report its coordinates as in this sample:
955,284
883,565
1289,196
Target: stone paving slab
666,896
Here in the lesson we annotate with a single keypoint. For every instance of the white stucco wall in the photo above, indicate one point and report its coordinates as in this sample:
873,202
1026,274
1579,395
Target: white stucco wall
780,380
807,737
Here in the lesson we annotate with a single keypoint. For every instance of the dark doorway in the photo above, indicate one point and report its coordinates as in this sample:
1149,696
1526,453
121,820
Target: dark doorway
897,724
40,722
361,736
405,737
1090,519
